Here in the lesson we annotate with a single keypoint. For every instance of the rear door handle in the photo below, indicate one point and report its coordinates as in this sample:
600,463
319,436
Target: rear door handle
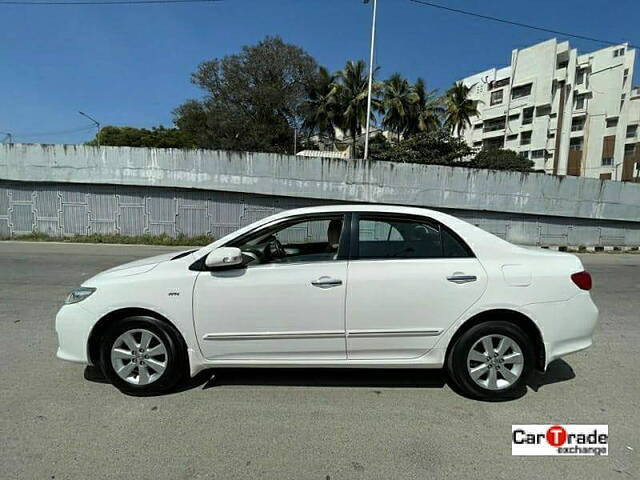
462,278
326,282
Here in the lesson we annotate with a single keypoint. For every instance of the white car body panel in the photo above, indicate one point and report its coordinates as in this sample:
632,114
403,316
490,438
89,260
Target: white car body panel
396,309
234,312
381,316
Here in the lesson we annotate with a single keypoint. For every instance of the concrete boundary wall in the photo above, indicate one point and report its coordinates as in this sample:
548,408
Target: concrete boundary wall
60,209
325,179
66,189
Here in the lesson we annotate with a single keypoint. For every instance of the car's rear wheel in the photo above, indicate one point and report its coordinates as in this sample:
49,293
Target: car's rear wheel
142,356
492,360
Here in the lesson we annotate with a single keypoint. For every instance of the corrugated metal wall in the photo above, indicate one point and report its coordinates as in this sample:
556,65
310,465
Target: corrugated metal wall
60,209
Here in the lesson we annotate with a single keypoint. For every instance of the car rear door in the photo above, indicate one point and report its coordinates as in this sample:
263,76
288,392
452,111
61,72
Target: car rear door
409,279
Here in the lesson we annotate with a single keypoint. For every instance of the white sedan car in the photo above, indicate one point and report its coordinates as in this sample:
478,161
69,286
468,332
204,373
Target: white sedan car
336,286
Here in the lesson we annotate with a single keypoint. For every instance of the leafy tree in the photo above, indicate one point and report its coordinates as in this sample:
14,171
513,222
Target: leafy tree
437,148
378,145
460,108
351,94
425,113
398,99
252,99
157,137
499,159
319,109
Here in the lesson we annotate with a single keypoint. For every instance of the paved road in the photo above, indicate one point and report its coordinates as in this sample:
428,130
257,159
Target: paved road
301,424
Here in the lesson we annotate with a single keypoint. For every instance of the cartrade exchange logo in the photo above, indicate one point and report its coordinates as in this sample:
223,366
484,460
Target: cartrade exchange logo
560,440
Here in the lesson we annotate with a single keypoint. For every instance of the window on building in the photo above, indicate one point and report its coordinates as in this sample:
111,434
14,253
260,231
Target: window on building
563,64
543,111
618,52
521,91
496,97
575,143
631,131
494,124
527,115
525,138
524,154
537,154
514,116
477,126
551,135
581,102
493,143
580,77
629,148
612,122
499,83
577,124
512,137
607,161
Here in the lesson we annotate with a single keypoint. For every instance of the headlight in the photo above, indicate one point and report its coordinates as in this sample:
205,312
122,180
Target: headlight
79,294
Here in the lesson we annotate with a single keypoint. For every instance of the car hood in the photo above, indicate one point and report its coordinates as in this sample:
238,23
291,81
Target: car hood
133,268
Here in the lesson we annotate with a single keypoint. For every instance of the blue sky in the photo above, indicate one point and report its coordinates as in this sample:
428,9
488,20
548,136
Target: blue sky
130,65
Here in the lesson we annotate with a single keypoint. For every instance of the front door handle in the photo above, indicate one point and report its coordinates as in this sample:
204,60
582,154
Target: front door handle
326,282
457,278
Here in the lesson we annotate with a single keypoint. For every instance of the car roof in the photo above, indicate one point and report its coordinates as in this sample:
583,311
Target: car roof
359,207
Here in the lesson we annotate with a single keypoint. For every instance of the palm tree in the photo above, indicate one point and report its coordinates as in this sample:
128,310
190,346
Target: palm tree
426,113
351,93
319,109
397,100
460,108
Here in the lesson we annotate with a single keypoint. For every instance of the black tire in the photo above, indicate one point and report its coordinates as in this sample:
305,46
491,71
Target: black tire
174,359
457,368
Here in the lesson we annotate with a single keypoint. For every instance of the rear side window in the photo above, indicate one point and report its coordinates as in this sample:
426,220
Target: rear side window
453,246
393,237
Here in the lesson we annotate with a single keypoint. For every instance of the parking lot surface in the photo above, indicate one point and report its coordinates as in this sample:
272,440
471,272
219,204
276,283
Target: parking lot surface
298,424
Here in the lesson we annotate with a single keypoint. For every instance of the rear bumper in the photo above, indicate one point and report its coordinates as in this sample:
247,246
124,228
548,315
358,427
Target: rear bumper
73,325
566,327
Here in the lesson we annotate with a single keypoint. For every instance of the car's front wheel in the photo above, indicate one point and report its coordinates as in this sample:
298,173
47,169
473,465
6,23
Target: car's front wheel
492,360
142,356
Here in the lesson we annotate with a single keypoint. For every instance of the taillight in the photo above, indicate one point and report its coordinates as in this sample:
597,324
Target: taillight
582,280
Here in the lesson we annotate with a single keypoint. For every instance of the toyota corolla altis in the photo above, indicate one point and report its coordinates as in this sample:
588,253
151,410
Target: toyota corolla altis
336,287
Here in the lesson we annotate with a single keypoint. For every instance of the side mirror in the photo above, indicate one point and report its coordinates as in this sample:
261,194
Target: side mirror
224,257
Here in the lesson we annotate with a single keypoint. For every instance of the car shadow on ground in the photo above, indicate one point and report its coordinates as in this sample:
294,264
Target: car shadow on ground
558,371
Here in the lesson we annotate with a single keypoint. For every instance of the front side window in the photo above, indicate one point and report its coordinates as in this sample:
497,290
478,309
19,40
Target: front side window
396,237
309,240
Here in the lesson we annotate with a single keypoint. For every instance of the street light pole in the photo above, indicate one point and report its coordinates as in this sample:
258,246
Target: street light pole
97,123
373,42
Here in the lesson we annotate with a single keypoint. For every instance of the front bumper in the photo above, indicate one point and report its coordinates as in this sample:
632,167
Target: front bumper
566,327
73,326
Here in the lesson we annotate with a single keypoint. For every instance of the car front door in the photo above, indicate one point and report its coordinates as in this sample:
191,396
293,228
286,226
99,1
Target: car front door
288,303
410,278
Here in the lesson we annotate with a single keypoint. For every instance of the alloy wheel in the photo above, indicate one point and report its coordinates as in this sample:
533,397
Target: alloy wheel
495,362
139,357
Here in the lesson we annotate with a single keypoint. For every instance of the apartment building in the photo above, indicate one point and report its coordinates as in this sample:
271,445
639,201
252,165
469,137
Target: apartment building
570,113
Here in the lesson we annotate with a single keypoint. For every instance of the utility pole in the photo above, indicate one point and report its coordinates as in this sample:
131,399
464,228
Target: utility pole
373,42
97,123
295,140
